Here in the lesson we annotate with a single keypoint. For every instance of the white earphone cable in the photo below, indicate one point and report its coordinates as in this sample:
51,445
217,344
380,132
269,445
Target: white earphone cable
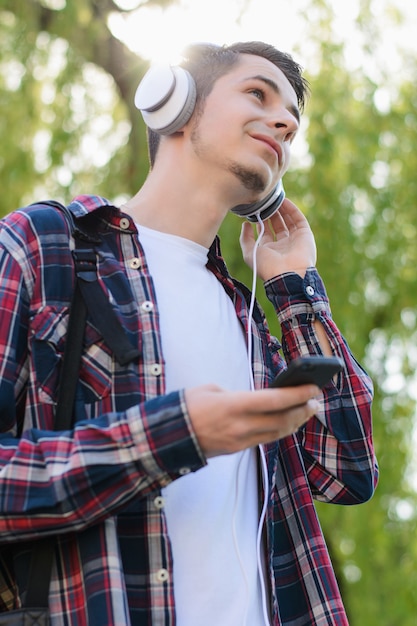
252,301
264,469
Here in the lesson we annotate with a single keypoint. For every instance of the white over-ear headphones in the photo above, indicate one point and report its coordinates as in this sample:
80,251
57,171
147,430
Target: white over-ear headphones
166,98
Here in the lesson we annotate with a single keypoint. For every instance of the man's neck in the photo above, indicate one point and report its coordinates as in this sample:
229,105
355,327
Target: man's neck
179,207
185,196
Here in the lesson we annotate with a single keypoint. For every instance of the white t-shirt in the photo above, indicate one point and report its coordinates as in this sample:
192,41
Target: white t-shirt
212,514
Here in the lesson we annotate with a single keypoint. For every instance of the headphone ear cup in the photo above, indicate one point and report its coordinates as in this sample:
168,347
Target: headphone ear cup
263,208
166,98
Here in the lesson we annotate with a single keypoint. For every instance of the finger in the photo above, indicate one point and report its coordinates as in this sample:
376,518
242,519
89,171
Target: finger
292,215
278,399
295,416
282,221
247,237
274,426
274,228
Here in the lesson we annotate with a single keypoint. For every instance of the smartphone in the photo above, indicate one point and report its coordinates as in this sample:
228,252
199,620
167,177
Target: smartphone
317,370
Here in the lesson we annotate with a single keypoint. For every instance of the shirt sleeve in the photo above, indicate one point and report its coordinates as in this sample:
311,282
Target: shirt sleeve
52,482
337,444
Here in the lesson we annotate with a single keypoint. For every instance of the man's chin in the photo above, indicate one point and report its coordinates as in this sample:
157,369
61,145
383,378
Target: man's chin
251,180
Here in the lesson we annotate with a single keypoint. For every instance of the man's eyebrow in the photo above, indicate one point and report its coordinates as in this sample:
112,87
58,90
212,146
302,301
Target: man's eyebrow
274,86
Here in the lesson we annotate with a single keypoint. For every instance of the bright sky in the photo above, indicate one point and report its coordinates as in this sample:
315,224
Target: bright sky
159,35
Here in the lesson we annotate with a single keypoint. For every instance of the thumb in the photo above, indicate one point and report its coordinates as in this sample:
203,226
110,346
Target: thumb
247,240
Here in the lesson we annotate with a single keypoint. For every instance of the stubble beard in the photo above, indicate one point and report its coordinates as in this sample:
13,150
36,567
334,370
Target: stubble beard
250,179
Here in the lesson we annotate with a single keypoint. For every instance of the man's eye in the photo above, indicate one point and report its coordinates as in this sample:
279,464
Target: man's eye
258,93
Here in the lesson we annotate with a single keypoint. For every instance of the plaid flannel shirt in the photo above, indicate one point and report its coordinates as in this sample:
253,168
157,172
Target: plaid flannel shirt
97,487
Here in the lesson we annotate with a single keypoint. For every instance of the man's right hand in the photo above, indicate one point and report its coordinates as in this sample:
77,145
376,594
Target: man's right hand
229,421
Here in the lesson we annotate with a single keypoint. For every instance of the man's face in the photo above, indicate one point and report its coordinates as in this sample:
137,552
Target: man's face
247,125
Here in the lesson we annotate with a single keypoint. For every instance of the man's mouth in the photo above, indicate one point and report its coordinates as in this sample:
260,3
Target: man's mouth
272,144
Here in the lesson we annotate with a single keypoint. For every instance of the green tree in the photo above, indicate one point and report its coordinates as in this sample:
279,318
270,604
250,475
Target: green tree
68,123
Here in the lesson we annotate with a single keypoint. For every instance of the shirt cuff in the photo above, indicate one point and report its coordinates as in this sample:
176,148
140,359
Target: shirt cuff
171,449
292,295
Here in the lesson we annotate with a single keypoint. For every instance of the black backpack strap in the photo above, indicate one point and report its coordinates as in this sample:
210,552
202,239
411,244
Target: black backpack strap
43,549
99,306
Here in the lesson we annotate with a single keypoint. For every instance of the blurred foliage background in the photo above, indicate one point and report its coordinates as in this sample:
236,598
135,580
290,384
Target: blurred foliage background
68,126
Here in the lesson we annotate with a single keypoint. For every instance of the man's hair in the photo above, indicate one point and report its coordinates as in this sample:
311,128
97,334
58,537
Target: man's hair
208,62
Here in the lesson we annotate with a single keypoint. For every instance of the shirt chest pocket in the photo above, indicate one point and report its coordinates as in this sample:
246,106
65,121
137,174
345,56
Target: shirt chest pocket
48,334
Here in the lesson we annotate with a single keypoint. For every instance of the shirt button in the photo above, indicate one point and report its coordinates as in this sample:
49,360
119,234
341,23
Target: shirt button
155,369
134,263
147,306
162,575
184,471
159,502
124,223
310,290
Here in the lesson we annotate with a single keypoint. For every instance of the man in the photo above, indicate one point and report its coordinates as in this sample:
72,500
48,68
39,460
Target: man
158,494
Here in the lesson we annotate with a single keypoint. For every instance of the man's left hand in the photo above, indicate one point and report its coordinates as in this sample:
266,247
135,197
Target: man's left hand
287,245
